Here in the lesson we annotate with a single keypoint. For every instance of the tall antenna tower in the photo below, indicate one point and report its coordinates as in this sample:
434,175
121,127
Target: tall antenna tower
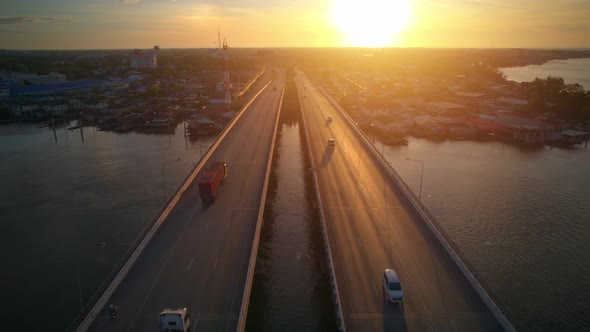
218,38
226,82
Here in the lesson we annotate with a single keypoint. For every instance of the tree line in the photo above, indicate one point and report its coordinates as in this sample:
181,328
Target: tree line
565,101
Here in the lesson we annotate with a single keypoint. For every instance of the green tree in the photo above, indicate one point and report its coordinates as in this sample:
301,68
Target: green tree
4,112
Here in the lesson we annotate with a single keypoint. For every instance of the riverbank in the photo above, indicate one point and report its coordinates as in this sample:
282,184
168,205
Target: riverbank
573,71
71,208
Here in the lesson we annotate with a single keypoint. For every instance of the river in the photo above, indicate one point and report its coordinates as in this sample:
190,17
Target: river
70,209
291,288
571,70
73,203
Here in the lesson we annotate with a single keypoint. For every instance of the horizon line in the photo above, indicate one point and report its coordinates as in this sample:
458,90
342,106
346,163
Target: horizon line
302,47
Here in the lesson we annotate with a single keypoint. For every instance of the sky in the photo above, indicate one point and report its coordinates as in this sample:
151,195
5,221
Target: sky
128,24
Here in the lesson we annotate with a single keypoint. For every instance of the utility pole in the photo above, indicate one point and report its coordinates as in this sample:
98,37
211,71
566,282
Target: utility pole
421,177
164,175
226,82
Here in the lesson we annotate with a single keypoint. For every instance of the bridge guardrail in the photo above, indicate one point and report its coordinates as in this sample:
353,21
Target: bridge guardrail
138,244
432,223
259,221
250,83
333,281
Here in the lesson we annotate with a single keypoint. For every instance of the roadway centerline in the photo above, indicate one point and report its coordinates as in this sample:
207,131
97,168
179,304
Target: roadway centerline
216,260
374,288
190,264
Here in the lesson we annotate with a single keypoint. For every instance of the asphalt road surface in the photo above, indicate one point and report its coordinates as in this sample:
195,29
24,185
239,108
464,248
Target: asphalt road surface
199,257
371,227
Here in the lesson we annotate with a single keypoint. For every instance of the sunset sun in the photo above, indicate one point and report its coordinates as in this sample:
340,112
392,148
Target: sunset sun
371,23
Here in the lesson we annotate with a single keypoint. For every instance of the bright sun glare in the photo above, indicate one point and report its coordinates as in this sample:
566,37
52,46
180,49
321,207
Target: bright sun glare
371,23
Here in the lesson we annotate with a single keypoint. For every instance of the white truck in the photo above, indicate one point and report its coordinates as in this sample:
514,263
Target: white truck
175,320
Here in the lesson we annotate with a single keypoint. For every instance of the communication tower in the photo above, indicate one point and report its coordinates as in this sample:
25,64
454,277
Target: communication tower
226,81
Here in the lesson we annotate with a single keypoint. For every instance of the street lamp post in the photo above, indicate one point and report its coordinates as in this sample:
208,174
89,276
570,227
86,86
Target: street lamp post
164,175
421,177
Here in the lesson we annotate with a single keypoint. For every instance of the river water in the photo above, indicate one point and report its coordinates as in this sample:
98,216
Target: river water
571,70
291,288
519,215
71,208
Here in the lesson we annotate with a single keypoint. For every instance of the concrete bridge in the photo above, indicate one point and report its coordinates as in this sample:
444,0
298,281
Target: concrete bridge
203,257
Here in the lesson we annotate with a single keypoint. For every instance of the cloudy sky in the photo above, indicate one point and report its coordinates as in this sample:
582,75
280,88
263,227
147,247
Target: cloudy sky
103,24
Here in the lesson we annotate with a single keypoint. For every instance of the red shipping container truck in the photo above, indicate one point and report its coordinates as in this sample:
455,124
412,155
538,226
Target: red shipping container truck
211,179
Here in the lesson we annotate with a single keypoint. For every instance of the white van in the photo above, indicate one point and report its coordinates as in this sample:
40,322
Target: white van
175,320
392,286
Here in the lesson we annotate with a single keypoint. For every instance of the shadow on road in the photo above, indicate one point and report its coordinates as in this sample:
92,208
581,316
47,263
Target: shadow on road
393,316
326,156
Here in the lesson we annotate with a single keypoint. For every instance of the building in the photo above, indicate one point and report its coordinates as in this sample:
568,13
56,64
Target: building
523,129
25,110
57,107
119,109
115,83
509,103
55,88
4,90
574,136
30,78
139,59
93,104
443,107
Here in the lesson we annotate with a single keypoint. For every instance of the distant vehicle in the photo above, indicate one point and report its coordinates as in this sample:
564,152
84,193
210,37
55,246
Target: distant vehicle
175,320
392,286
211,179
274,87
330,119
331,143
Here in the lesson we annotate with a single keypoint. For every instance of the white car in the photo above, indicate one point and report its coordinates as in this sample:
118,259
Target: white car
392,286
175,320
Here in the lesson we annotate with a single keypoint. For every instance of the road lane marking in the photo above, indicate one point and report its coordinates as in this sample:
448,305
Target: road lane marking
368,203
216,260
190,264
375,288
459,315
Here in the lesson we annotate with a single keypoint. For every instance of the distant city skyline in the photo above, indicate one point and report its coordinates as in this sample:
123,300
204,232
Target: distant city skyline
127,24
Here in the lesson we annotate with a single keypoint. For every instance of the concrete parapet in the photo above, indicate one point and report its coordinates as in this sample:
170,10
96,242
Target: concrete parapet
259,221
333,281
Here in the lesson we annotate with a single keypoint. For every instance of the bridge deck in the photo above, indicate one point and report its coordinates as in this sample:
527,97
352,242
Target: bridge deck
198,259
372,227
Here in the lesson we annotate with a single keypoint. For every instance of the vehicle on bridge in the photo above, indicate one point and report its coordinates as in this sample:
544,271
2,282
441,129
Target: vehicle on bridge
331,143
211,180
392,286
175,320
